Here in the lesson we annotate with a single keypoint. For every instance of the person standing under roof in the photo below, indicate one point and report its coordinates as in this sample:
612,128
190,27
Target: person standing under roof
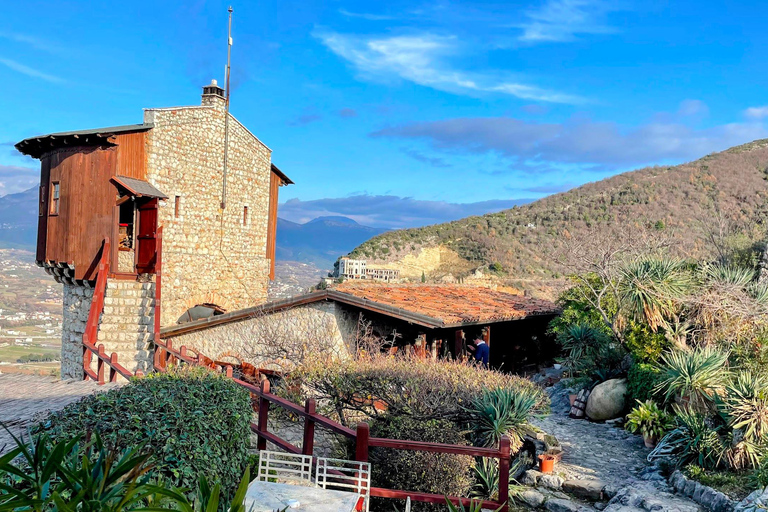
481,351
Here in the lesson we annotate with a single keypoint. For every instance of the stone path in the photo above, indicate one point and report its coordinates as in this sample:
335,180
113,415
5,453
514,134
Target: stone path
598,451
26,399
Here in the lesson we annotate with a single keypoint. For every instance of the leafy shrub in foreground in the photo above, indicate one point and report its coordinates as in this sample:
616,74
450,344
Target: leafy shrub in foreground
437,473
644,344
194,421
648,420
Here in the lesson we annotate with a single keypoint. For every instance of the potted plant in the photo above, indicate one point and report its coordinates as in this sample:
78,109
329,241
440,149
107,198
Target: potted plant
650,421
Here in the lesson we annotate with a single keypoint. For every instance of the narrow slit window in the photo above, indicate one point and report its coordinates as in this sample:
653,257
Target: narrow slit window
177,206
42,200
55,198
245,215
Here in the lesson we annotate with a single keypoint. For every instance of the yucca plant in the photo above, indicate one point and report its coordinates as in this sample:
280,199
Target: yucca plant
759,292
650,289
474,506
587,348
650,421
486,473
744,407
699,440
693,376
728,274
499,412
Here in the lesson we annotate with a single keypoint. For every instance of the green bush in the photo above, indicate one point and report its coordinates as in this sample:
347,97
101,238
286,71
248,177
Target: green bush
694,377
642,380
195,422
644,344
499,412
649,421
437,473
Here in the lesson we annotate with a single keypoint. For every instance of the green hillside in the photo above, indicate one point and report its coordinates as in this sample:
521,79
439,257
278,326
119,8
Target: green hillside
723,195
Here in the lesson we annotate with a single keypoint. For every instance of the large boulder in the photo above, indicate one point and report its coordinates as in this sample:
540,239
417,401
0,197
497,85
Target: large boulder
607,400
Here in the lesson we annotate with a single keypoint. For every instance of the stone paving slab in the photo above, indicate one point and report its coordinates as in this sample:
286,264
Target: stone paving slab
27,399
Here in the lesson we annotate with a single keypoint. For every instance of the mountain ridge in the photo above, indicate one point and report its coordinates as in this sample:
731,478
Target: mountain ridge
522,242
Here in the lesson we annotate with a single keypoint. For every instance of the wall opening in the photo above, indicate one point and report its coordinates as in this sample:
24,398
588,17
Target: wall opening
55,198
177,207
245,215
205,310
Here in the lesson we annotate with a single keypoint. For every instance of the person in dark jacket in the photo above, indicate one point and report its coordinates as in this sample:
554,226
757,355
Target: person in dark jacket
481,351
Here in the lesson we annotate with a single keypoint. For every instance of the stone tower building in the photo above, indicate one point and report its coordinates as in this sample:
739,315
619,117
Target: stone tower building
123,184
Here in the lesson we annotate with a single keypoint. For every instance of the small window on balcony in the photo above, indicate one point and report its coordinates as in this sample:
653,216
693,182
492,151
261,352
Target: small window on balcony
55,198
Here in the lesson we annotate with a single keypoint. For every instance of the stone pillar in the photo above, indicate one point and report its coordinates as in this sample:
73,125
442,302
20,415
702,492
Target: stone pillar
77,304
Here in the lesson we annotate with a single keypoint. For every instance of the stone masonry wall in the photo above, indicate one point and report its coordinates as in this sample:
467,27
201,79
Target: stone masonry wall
209,255
305,329
77,304
127,322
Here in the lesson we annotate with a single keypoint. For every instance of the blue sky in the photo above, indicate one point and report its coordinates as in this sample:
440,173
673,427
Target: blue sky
403,113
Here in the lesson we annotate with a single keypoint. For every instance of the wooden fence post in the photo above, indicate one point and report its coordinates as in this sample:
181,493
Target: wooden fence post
112,371
308,446
361,442
504,452
261,444
100,365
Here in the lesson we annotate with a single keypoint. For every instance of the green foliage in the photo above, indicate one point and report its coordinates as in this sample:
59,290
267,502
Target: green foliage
759,476
737,485
728,274
496,267
437,473
588,350
576,310
693,376
195,422
649,420
474,506
642,380
486,474
650,289
68,476
700,440
644,344
423,277
38,358
502,411
745,404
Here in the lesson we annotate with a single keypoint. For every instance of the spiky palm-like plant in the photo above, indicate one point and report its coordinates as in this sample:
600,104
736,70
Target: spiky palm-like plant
728,274
650,289
759,292
499,412
694,376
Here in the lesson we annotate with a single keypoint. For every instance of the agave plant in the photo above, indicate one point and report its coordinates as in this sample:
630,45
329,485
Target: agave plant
474,506
499,412
650,289
700,440
486,473
587,348
759,292
694,376
744,406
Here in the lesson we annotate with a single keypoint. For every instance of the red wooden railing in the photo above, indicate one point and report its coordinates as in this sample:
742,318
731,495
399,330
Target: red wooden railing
103,361
166,354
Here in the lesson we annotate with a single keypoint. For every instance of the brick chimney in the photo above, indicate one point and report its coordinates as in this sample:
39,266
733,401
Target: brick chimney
213,95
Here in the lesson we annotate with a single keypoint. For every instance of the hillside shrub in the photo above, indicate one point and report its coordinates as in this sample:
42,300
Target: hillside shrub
694,377
499,412
436,473
403,386
642,380
194,421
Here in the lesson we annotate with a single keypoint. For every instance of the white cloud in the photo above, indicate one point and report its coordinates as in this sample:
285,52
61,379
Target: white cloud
562,20
26,70
423,60
757,112
365,15
693,108
581,142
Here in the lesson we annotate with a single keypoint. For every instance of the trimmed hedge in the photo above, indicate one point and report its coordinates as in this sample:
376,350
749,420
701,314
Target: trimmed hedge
195,422
437,473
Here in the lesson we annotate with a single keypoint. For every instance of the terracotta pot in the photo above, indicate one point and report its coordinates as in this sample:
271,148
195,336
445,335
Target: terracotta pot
572,398
650,442
546,463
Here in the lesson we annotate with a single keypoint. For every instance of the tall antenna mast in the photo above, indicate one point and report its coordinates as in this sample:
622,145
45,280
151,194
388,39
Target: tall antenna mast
226,112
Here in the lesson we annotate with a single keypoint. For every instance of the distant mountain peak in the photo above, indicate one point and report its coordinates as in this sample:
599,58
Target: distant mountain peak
333,220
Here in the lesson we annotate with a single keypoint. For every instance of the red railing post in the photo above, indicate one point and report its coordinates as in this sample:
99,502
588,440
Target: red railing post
362,436
308,445
504,453
229,371
86,361
112,371
263,416
100,364
170,357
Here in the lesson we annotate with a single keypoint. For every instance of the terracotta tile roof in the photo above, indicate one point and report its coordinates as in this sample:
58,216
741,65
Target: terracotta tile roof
451,305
